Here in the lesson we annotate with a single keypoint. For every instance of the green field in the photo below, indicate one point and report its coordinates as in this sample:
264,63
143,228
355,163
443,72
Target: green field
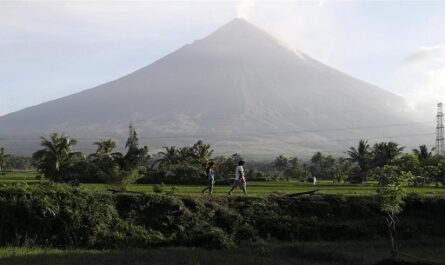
316,253
255,188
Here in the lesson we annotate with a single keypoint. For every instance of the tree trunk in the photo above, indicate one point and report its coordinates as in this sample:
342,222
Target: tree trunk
391,223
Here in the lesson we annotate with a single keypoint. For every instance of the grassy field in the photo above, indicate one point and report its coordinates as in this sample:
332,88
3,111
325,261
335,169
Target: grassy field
16,176
255,188
316,253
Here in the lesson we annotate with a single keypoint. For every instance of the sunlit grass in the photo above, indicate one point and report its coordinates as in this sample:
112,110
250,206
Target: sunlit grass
254,188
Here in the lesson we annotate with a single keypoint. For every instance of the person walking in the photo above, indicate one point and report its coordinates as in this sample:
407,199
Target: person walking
240,179
210,174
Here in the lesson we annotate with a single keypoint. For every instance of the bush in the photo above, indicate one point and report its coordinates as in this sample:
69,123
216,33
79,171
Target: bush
246,232
158,188
64,216
209,237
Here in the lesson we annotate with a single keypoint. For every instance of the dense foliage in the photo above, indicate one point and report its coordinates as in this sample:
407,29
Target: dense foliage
58,162
64,216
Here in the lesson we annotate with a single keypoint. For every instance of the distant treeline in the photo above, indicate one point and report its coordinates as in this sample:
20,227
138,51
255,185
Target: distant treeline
58,162
11,162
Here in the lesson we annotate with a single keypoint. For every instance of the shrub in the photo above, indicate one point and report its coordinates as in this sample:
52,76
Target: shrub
209,237
246,232
158,188
64,216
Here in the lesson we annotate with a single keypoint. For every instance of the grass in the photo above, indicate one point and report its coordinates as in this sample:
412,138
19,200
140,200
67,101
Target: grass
315,253
254,188
16,176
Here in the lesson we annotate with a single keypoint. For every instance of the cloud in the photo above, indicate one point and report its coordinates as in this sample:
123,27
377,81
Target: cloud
422,77
245,8
426,55
428,87
297,24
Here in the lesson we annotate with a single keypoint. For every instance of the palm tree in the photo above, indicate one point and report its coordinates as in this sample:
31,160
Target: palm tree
56,153
168,157
361,156
385,153
423,154
104,149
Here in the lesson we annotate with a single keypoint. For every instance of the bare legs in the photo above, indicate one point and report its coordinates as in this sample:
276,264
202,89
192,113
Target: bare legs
241,185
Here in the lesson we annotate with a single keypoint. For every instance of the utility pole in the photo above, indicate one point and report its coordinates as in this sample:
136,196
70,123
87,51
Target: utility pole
439,130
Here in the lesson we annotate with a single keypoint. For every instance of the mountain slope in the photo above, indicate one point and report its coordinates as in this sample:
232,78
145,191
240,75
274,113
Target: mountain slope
238,89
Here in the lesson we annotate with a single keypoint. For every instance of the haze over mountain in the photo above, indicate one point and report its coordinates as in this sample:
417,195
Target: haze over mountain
238,89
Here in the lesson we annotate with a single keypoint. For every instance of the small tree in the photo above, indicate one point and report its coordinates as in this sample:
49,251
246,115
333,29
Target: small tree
391,202
133,162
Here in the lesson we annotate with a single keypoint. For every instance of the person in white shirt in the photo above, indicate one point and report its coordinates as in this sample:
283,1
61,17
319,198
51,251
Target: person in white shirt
240,179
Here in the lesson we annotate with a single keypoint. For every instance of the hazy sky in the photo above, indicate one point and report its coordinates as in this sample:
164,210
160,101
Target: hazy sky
50,49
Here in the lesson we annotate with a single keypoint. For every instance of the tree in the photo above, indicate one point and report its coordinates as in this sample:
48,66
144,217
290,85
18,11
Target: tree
104,160
135,157
201,153
391,202
410,162
341,169
168,157
293,169
321,165
361,156
2,159
56,157
225,166
423,154
133,163
281,163
385,153
104,149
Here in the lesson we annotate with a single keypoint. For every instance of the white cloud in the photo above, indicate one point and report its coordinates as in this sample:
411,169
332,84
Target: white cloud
429,87
427,55
422,77
310,27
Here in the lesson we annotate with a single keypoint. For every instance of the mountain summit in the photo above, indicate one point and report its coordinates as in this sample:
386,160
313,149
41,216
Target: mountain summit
238,89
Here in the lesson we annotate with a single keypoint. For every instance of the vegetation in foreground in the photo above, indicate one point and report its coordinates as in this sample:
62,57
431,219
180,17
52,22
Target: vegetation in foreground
67,217
313,253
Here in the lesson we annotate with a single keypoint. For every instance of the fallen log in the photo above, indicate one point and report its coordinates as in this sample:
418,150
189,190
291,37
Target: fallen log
311,192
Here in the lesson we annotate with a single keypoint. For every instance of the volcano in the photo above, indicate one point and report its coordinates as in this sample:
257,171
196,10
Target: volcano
238,89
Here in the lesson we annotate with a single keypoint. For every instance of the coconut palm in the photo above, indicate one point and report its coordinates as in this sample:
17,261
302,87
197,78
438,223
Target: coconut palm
104,149
168,157
423,154
385,153
57,153
361,155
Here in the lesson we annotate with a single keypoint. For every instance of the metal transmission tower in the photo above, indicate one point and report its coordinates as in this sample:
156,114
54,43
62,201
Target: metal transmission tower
439,131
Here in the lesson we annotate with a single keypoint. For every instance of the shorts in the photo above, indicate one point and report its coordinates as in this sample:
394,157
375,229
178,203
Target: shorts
239,184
